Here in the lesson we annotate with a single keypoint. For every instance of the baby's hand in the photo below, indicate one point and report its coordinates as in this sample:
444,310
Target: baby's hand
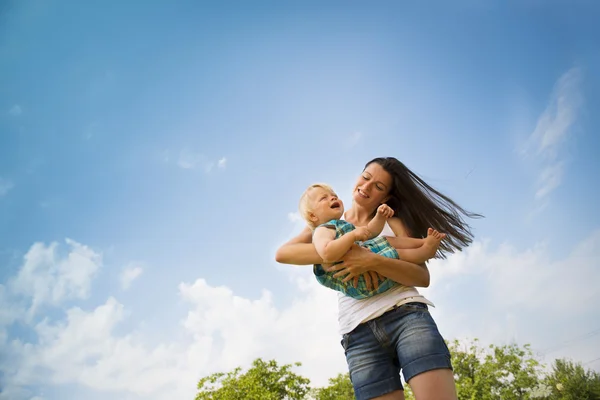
385,211
361,234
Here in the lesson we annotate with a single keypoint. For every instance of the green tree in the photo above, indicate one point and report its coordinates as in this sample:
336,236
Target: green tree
517,370
265,380
505,372
570,381
340,388
508,372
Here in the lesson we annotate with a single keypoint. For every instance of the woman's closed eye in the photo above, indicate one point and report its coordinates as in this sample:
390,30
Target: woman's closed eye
378,185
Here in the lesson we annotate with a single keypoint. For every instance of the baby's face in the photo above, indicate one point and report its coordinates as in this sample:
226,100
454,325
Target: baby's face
325,205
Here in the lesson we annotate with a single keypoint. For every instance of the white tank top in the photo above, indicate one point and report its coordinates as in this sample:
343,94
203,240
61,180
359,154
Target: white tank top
352,312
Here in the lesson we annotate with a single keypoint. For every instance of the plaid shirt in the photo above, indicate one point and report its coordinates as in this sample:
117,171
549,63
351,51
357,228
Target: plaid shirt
379,245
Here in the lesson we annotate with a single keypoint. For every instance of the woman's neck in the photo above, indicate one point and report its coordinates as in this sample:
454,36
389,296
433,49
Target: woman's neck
358,215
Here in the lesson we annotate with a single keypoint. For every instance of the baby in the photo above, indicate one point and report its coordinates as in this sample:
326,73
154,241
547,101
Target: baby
333,237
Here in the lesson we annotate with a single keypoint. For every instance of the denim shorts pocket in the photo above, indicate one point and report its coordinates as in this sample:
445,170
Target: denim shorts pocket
345,341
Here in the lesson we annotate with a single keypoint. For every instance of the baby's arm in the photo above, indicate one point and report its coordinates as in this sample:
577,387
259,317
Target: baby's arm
331,249
375,226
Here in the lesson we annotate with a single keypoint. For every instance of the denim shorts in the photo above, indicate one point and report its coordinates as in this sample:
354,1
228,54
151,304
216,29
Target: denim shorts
405,339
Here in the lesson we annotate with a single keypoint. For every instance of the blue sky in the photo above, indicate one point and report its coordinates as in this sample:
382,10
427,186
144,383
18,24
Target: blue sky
152,156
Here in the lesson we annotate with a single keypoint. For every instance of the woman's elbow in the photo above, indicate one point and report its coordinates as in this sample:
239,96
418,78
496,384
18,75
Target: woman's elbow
424,280
420,277
281,256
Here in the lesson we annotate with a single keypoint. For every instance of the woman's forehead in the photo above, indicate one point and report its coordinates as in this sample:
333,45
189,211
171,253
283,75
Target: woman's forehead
378,173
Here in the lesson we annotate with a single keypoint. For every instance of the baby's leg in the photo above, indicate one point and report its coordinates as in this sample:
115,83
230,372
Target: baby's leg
404,242
426,251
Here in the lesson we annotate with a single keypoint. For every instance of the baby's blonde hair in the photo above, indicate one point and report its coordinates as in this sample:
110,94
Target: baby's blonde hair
305,207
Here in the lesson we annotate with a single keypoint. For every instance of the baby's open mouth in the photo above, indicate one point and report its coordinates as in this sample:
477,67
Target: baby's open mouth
336,205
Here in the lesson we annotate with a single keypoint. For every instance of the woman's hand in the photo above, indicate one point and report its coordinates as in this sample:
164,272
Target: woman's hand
357,261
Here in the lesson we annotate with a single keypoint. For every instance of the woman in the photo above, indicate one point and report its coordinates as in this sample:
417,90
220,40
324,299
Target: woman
393,331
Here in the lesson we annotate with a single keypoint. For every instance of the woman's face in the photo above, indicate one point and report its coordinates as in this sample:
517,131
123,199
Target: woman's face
372,187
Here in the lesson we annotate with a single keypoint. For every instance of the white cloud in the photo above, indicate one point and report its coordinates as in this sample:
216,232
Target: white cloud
557,120
129,274
84,350
188,159
294,216
495,292
305,331
9,312
502,294
221,331
553,129
191,160
46,278
15,110
5,186
550,178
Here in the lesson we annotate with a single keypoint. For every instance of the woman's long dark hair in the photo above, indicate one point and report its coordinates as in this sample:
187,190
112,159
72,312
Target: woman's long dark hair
420,207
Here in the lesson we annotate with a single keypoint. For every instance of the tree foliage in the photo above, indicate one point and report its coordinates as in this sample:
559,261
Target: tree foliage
570,381
505,372
340,388
265,380
508,372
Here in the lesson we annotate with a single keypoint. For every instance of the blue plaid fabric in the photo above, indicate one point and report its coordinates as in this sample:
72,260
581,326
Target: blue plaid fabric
379,245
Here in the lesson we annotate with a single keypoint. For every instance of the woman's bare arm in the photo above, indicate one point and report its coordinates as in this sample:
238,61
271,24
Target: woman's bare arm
299,250
403,272
359,260
400,230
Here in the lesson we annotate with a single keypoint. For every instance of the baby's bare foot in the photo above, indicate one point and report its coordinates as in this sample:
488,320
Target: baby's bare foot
432,241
